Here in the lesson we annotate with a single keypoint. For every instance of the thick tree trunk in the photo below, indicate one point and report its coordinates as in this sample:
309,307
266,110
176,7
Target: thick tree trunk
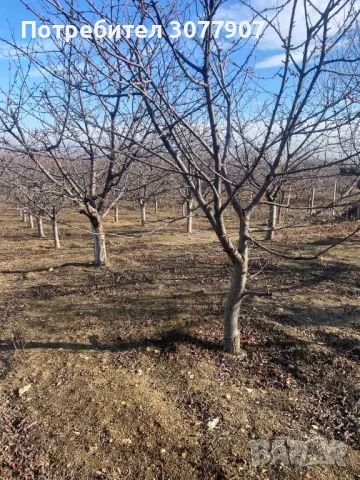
116,214
189,220
99,242
31,221
237,289
40,228
55,232
143,213
271,221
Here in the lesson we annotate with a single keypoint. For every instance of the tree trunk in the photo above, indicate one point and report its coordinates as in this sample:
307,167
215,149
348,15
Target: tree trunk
334,199
288,204
31,221
116,214
312,201
24,218
271,221
99,241
279,209
156,206
143,213
183,209
358,211
237,289
189,219
40,228
55,231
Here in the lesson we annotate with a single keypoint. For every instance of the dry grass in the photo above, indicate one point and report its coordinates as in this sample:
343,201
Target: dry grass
126,363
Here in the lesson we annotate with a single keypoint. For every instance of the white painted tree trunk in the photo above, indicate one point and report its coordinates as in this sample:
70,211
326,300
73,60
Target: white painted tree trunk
312,201
40,227
31,221
156,206
99,242
334,199
189,220
116,214
183,209
234,299
271,221
143,213
55,232
24,218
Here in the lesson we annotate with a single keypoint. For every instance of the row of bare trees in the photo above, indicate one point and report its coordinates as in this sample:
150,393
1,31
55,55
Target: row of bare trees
196,116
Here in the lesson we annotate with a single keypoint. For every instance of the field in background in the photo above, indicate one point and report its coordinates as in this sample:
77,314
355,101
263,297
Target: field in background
126,364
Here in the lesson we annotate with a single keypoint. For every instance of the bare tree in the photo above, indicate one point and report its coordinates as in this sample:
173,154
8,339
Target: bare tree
32,191
221,124
146,183
200,98
82,141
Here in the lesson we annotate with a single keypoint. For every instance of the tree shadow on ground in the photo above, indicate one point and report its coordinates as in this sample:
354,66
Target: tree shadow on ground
275,359
165,343
30,236
46,269
341,345
342,317
311,274
333,240
322,369
6,364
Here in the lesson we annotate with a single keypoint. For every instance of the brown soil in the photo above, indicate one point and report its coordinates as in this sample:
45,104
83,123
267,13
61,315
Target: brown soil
126,363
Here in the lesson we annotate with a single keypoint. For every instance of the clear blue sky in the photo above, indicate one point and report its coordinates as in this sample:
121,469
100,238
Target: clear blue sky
12,13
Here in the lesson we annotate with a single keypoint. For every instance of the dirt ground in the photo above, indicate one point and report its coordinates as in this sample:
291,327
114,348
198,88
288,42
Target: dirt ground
126,364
